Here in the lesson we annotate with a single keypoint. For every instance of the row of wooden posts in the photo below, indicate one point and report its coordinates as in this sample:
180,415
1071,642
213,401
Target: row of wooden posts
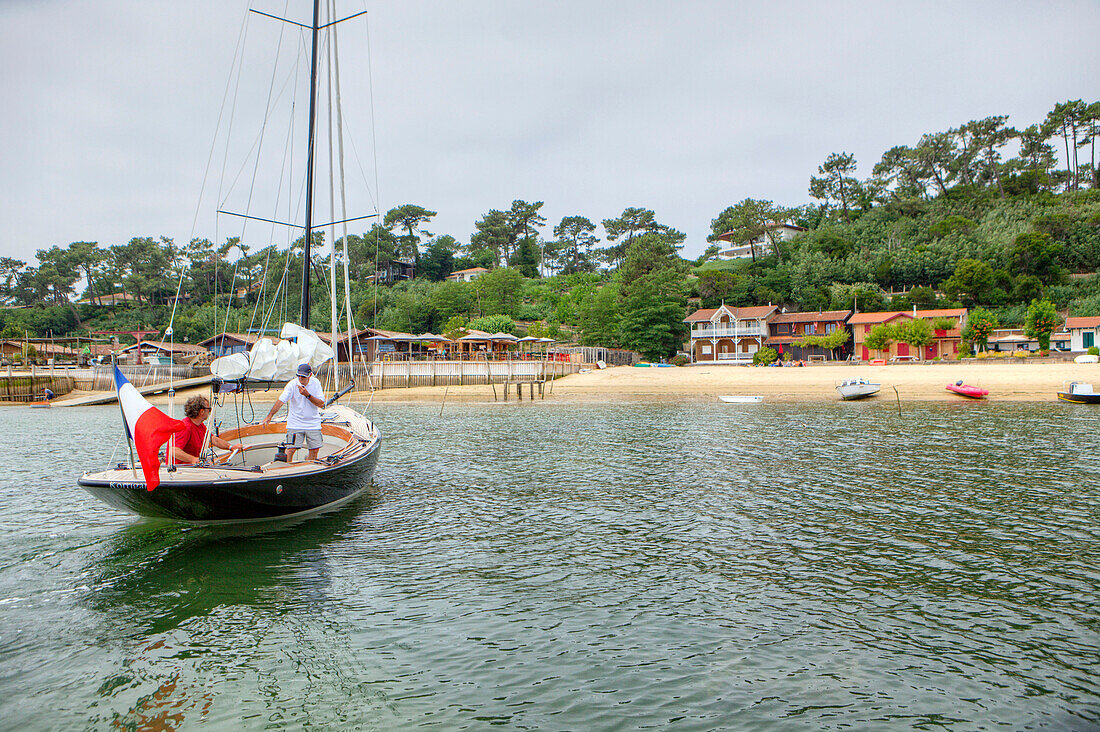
367,376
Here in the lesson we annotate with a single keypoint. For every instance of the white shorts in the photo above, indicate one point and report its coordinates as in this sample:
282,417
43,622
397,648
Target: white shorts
304,438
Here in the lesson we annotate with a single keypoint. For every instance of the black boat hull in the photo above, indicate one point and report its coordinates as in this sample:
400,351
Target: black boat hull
250,498
1079,398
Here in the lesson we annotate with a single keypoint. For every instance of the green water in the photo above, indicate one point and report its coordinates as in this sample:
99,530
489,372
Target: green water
600,566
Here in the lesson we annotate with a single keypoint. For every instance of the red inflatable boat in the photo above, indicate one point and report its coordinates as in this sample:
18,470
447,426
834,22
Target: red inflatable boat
970,392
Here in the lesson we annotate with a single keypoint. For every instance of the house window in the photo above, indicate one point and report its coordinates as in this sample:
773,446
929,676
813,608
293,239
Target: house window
1088,339
830,327
811,328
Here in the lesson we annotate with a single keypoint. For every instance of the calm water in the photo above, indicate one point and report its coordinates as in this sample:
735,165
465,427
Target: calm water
547,566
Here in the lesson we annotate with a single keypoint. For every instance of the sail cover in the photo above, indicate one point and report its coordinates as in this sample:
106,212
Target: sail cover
270,361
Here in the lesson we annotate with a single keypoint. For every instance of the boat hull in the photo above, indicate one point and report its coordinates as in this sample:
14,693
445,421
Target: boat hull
851,392
970,392
1072,398
250,497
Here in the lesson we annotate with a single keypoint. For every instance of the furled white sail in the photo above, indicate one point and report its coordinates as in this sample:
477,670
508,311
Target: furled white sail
268,361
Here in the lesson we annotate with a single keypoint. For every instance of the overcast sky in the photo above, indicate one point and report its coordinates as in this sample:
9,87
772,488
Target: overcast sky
110,107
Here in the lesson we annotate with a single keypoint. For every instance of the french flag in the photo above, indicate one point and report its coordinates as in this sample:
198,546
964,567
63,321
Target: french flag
147,426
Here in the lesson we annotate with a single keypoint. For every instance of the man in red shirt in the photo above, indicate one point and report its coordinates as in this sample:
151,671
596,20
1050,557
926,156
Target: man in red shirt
188,444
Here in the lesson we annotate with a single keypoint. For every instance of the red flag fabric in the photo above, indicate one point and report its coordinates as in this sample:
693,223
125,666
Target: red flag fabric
149,427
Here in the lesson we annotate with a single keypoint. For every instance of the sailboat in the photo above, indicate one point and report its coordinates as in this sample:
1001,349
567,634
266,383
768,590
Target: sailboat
256,483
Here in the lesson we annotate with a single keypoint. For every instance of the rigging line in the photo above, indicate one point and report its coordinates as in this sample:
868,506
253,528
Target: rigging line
233,68
377,189
331,53
253,153
258,146
343,184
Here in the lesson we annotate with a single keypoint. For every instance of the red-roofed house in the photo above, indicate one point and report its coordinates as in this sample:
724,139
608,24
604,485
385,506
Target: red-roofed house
1084,333
726,333
945,341
786,329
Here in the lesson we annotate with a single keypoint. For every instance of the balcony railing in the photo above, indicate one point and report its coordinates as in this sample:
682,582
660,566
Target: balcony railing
727,332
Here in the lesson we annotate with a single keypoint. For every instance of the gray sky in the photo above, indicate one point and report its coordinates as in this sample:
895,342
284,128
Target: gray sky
682,107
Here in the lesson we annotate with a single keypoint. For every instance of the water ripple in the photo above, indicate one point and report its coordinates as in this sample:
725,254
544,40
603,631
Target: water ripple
693,566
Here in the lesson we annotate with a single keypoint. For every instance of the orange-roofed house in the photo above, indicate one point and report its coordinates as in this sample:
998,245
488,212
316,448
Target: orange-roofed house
945,341
786,330
726,333
1084,333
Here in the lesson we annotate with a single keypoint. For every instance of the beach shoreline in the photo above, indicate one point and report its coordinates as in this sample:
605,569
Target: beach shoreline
1006,381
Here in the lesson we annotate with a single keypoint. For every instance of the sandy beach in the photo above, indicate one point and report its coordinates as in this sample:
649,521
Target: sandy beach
925,382
1005,380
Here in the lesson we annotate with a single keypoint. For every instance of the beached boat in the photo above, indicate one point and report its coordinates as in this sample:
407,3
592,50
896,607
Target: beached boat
850,389
256,483
1079,393
741,399
968,391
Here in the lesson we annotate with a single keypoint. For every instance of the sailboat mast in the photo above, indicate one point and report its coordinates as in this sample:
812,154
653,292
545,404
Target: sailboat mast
309,167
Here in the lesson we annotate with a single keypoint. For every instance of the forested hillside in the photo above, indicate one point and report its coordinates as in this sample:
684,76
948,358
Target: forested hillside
978,215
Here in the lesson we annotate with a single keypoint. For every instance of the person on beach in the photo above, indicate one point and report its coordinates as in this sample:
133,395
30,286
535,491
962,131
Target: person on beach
48,395
188,444
304,399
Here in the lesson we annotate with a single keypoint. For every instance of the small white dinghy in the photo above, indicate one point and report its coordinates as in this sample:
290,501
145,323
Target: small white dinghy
857,389
735,399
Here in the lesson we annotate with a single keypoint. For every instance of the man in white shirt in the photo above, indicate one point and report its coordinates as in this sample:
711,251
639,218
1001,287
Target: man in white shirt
304,399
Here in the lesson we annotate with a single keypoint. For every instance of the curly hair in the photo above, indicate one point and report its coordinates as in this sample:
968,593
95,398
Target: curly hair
194,405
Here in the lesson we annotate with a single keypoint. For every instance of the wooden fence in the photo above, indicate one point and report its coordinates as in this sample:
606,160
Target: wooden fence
33,388
406,374
367,376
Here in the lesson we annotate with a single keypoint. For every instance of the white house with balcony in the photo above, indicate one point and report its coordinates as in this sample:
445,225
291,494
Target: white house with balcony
467,275
762,243
1084,332
729,334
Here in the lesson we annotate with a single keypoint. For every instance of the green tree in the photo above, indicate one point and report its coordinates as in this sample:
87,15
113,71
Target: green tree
526,258
1067,119
498,291
88,257
901,172
493,233
524,218
880,337
1033,253
980,324
935,154
917,333
9,274
438,259
765,356
836,182
598,317
411,218
653,300
972,282
576,240
633,223
1042,320
493,324
749,220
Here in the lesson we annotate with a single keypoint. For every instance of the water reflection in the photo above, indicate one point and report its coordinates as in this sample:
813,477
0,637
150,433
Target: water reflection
158,576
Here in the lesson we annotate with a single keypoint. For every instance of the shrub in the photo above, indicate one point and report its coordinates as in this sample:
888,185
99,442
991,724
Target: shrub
680,360
764,356
1020,354
1094,351
983,354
